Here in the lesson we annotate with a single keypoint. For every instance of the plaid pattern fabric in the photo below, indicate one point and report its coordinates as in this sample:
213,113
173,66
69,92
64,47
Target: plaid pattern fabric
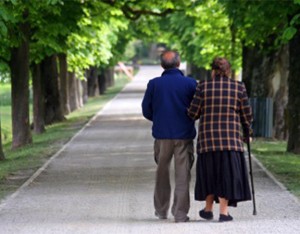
222,107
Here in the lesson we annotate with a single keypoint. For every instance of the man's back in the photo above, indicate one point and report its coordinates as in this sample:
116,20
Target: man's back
165,103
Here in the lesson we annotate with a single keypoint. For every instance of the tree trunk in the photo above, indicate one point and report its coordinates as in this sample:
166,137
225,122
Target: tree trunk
293,105
84,91
198,73
265,75
2,155
110,76
63,75
152,52
233,48
92,81
19,68
281,94
102,82
73,100
38,87
258,71
79,93
53,109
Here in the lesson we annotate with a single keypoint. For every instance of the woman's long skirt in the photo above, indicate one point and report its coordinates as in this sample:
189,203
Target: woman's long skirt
223,174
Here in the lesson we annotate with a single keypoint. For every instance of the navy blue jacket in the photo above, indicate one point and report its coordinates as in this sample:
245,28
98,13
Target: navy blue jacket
165,103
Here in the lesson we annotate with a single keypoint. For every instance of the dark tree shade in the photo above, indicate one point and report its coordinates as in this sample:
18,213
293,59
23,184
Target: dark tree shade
38,86
294,96
19,67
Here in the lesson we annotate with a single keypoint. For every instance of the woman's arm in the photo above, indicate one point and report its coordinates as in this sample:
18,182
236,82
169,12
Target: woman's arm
195,106
246,113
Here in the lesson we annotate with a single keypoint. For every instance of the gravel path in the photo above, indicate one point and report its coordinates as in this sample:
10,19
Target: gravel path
102,182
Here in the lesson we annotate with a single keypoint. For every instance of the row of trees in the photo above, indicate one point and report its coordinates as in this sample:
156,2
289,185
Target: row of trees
55,42
260,38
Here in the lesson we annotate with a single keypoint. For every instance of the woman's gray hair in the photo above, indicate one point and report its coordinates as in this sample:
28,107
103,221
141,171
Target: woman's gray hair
170,59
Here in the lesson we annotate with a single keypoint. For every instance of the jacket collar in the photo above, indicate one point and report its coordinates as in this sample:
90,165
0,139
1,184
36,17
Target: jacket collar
172,71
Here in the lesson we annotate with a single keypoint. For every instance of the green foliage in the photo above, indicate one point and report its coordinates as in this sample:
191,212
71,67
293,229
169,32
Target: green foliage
93,44
291,30
201,32
52,25
9,15
258,21
289,33
129,52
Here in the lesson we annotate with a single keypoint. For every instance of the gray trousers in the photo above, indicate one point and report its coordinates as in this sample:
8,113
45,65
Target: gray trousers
183,152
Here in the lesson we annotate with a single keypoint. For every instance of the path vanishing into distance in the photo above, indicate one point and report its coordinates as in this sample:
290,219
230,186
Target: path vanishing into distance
102,181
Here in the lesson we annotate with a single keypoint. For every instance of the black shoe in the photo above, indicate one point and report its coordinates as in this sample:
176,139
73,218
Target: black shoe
208,215
160,216
182,220
225,218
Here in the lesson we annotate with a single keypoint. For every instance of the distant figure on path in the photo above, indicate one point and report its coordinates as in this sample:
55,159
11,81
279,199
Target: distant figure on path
221,105
165,104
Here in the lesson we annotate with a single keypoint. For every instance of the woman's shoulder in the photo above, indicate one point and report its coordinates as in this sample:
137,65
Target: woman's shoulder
238,83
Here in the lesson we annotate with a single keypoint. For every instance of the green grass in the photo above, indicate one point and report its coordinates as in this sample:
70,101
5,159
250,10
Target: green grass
284,166
21,163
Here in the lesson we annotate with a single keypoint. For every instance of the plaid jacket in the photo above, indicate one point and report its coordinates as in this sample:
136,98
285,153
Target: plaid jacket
222,107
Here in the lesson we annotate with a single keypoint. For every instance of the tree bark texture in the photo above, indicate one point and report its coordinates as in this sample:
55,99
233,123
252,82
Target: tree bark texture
233,48
73,100
258,71
281,94
84,91
110,76
79,92
293,110
53,108
102,82
63,78
198,73
265,76
92,81
19,68
38,87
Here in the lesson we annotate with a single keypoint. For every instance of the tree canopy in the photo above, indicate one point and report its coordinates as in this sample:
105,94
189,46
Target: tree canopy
94,33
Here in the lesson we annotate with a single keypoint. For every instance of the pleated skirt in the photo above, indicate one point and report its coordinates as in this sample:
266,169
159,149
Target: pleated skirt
223,174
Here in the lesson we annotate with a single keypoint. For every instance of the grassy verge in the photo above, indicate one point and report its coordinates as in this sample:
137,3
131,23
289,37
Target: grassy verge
284,166
20,164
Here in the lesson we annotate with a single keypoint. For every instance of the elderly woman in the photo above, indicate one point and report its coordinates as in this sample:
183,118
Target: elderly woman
222,107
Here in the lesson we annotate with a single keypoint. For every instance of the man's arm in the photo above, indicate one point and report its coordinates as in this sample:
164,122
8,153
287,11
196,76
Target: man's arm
147,102
195,106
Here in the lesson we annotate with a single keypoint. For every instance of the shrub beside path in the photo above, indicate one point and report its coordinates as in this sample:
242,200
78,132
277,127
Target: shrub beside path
102,182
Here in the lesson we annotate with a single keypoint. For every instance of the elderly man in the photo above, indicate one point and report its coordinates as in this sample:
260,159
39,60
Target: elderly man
165,104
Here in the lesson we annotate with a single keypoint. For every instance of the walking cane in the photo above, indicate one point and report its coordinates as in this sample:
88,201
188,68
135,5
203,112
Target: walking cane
251,177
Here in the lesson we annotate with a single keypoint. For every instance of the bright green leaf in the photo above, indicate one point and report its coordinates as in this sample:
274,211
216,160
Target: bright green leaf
289,33
295,19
